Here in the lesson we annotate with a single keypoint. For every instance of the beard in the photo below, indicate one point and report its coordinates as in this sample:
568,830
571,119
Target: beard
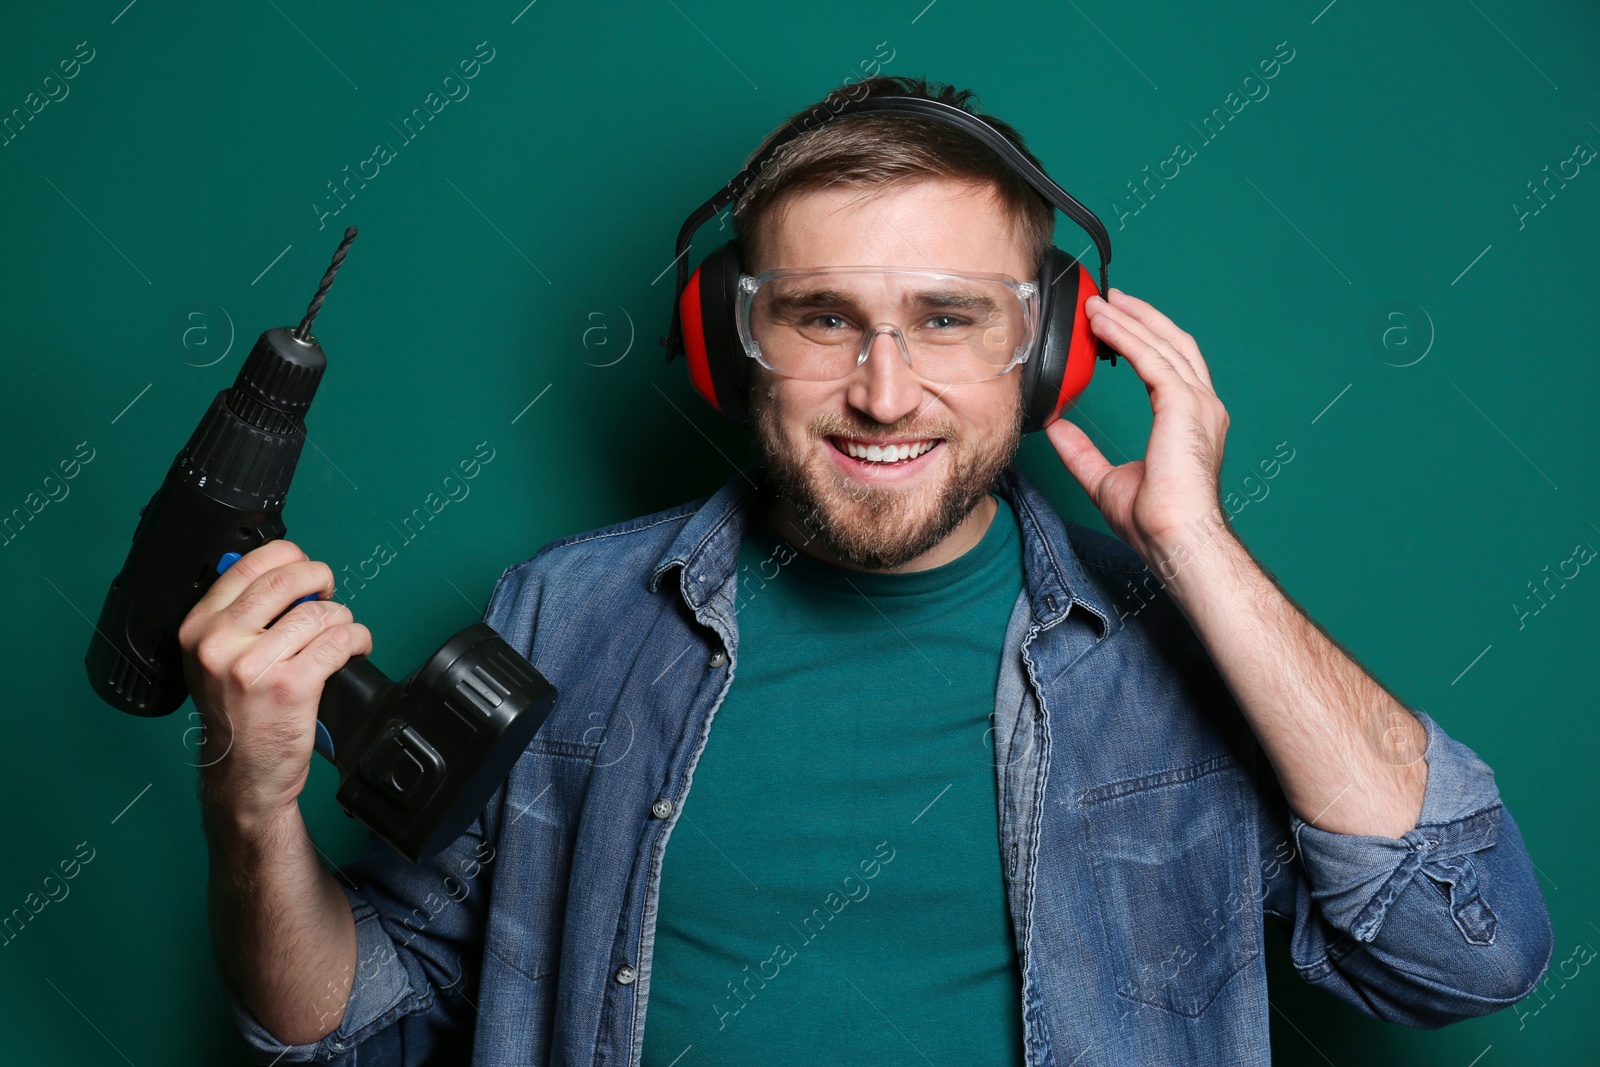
870,526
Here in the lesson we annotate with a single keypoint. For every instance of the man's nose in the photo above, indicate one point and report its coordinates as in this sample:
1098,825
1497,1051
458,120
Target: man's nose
885,387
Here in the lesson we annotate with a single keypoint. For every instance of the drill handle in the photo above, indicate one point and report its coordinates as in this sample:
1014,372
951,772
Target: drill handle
350,699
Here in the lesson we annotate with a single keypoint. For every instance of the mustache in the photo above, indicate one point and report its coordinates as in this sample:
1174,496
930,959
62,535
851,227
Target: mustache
833,426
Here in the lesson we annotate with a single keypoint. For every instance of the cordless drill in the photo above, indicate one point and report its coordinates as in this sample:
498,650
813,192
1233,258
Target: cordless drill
418,758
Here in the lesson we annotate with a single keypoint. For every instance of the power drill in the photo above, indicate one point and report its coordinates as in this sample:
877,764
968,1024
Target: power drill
418,758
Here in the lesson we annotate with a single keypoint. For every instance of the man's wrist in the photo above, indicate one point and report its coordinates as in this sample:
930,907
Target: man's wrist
1198,553
231,811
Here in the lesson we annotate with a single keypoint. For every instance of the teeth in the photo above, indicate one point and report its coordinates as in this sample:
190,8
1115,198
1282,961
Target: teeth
887,453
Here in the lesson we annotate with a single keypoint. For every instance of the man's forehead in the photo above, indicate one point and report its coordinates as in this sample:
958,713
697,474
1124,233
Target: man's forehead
940,224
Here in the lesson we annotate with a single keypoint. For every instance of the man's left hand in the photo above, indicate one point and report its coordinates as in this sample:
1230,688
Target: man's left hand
1148,502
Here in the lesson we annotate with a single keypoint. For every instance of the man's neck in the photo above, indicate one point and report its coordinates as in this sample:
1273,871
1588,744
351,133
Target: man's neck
782,517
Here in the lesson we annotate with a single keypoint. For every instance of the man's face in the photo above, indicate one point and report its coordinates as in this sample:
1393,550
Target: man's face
871,514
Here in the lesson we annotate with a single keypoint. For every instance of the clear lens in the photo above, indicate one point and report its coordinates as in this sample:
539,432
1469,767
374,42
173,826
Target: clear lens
952,328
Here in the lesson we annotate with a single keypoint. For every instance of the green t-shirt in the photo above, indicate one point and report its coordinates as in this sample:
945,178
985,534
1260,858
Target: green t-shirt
832,891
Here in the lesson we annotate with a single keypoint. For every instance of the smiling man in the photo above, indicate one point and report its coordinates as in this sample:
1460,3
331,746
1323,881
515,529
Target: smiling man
955,798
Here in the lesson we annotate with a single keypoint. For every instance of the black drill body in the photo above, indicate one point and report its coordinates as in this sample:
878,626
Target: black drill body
417,759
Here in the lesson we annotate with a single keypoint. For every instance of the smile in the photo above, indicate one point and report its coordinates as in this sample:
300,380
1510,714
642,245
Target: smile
861,455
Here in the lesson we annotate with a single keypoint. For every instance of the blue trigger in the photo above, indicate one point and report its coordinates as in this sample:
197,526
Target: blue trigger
324,741
229,559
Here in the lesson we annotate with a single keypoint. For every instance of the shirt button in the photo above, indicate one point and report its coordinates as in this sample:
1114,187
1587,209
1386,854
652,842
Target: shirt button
718,658
661,808
626,974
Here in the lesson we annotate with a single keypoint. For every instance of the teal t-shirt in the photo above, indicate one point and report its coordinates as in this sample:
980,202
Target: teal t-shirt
832,891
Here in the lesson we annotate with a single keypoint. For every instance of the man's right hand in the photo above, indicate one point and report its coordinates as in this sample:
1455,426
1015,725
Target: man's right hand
256,683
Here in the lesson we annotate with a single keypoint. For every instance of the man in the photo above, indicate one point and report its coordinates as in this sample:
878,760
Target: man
988,790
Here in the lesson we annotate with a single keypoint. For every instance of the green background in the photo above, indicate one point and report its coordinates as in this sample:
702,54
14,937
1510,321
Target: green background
514,250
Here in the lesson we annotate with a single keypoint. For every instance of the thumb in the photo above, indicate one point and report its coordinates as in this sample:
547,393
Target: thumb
1078,454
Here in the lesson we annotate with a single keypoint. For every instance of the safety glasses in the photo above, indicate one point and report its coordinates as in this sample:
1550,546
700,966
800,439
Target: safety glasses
952,329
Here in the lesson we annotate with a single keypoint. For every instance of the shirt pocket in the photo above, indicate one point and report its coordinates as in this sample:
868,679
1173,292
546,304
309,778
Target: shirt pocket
538,838
1180,906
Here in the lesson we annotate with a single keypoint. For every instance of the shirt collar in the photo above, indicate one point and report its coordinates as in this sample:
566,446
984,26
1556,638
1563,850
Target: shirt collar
706,550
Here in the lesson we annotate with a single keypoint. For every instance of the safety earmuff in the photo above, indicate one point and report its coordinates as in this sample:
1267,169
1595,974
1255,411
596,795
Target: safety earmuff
1055,373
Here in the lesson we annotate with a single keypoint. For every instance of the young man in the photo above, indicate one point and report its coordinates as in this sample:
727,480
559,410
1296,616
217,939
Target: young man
987,789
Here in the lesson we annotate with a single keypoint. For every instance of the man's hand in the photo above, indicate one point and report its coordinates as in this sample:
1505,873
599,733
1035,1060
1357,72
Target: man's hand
1348,754
256,683
1149,502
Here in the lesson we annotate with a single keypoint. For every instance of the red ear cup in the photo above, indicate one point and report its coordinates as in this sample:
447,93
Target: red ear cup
694,340
1064,356
719,369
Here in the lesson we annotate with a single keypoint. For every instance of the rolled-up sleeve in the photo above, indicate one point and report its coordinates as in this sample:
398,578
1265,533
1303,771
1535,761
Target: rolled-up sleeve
371,997
1445,922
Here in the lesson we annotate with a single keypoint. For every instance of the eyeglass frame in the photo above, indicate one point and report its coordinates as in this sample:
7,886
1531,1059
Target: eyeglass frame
1028,296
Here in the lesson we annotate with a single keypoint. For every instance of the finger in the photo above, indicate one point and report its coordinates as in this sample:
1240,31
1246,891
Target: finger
250,566
1157,323
269,595
1154,318
1078,454
332,648
301,625
1153,367
1153,340
297,680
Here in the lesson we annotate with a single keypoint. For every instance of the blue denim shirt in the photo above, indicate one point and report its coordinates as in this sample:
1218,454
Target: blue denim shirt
1142,835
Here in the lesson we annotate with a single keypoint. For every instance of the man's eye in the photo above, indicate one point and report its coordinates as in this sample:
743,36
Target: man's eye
827,321
947,322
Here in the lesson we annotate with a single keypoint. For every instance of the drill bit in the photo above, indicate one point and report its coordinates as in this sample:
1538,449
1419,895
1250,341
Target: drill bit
303,331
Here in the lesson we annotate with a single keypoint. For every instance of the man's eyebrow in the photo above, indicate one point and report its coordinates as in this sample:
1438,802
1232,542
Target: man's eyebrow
966,299
809,298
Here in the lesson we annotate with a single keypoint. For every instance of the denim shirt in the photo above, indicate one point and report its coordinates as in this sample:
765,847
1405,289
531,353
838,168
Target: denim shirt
1142,835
